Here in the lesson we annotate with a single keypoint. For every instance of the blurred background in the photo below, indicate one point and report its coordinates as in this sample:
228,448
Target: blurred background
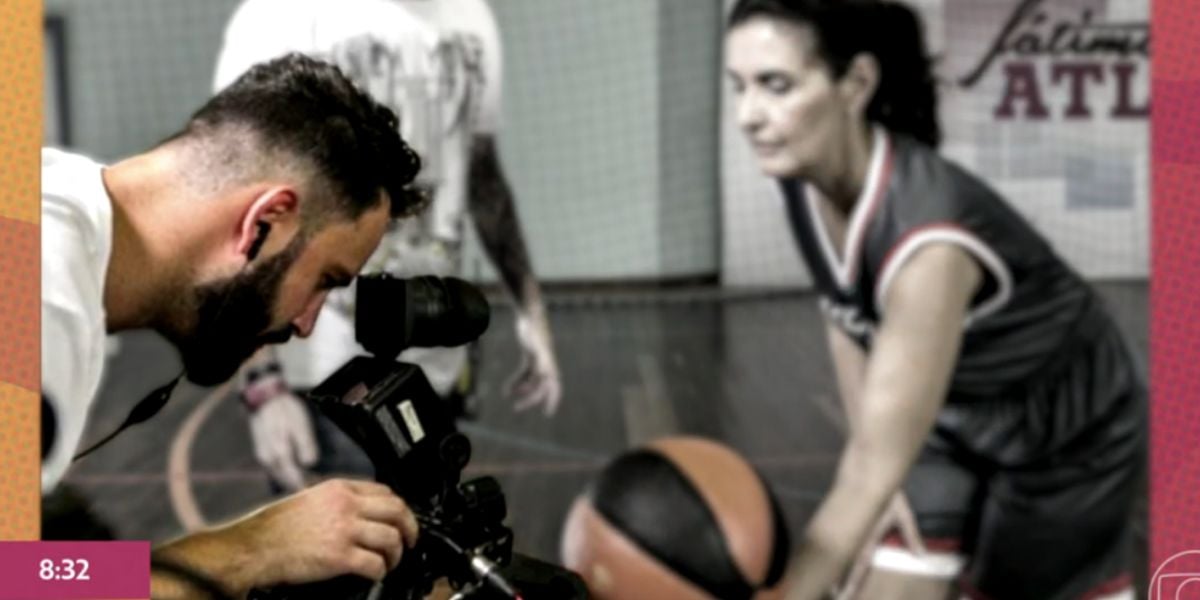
677,297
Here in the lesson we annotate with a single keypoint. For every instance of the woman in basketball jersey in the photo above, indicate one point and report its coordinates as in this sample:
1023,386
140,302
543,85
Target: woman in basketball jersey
984,381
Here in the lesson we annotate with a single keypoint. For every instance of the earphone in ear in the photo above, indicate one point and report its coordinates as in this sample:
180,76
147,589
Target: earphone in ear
264,228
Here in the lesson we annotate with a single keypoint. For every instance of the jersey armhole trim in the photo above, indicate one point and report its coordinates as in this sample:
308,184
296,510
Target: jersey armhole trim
952,234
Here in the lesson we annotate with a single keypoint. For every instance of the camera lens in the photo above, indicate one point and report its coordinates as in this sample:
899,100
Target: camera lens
392,314
445,311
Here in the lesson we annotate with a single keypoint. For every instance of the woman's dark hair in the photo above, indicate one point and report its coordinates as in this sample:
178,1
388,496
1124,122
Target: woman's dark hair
906,99
306,108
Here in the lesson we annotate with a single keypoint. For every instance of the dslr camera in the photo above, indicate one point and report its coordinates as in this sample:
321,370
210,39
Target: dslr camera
390,410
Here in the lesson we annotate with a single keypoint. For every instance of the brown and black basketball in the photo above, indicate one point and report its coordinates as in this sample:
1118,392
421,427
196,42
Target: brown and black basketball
682,518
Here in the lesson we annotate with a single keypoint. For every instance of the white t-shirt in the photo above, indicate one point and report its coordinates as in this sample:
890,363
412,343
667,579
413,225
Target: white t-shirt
468,30
470,66
76,248
437,64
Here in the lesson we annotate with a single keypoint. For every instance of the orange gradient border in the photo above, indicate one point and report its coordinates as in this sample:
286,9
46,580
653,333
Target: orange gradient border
20,268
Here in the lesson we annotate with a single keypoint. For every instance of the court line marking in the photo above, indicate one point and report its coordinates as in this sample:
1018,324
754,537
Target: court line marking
178,474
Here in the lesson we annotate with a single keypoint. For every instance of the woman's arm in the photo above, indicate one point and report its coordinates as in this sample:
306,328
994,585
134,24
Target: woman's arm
907,374
849,367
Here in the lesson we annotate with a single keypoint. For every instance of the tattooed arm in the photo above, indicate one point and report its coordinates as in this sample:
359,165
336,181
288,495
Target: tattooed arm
494,212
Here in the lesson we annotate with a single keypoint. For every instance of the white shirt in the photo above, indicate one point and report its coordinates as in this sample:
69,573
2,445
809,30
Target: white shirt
470,65
76,248
469,27
437,65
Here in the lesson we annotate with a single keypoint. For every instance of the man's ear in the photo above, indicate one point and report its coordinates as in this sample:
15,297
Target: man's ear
274,209
858,85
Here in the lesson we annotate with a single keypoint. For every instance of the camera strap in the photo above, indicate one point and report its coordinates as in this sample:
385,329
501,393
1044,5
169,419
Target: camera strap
145,408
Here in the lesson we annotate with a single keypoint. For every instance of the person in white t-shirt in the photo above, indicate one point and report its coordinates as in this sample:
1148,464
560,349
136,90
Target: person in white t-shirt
223,238
437,63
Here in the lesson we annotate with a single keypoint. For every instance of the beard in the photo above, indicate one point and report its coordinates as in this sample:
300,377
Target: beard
232,317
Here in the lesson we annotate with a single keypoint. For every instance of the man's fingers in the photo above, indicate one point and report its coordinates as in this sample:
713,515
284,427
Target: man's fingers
367,488
528,399
519,378
366,563
393,512
381,539
522,382
538,394
538,390
525,404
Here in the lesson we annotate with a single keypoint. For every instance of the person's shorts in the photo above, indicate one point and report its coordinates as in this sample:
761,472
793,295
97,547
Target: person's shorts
1034,497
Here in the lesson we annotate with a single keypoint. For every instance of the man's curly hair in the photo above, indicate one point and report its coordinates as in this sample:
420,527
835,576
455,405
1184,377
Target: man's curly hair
297,114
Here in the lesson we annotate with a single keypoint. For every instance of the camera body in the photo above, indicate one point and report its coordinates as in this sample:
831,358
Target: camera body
390,410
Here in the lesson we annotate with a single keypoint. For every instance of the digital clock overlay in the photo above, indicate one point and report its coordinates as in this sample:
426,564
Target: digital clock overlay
75,570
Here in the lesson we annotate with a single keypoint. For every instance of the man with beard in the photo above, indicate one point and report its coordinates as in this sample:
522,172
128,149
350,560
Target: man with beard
225,237
438,65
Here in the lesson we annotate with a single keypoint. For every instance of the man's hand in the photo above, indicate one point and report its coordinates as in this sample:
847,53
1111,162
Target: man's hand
339,527
536,382
282,431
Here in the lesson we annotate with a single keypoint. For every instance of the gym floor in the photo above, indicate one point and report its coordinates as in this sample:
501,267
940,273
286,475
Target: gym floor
751,371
